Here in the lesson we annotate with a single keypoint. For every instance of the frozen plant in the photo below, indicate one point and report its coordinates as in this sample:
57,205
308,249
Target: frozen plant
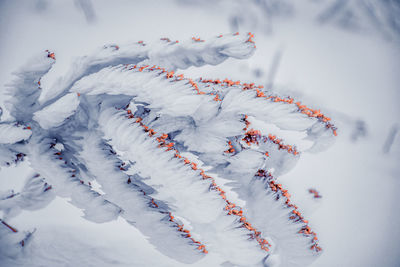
158,143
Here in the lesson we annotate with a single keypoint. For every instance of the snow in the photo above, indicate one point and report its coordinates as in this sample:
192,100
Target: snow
183,188
349,75
67,183
56,113
11,133
35,195
159,232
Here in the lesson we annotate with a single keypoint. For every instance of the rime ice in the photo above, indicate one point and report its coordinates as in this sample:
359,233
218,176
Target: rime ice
123,116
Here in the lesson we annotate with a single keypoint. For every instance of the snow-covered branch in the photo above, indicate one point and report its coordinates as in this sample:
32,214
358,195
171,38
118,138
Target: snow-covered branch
124,119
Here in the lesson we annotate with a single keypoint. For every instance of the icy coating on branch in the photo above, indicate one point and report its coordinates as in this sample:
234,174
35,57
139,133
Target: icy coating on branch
124,118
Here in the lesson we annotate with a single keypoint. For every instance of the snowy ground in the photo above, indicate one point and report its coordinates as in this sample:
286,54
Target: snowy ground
350,76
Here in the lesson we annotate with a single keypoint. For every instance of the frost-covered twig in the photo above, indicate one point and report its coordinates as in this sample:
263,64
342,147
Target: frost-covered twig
124,118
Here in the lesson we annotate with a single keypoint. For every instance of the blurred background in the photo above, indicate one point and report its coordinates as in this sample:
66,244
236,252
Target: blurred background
342,56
